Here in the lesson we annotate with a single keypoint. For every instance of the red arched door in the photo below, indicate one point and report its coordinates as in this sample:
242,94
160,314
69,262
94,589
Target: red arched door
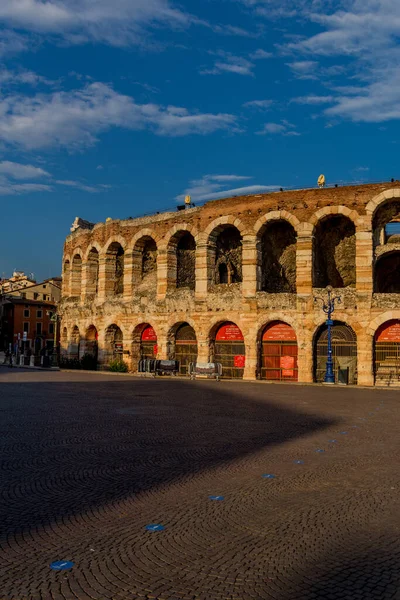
148,343
279,352
230,350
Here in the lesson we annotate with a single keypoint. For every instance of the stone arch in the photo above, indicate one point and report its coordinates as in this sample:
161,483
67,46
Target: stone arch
227,347
276,256
218,223
375,323
66,279
90,352
92,271
181,259
387,273
277,354
76,274
182,345
327,211
386,211
144,252
386,354
224,251
64,341
380,199
143,346
74,346
334,251
344,351
113,344
276,215
114,255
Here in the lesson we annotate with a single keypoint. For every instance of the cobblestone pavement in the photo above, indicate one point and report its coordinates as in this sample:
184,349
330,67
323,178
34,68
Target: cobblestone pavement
87,461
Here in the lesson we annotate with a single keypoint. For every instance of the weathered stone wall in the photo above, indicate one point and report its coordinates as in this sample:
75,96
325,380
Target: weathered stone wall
348,255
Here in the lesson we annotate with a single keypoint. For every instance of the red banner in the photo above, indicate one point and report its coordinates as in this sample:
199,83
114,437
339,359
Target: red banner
239,361
155,349
388,332
279,332
287,366
229,333
149,335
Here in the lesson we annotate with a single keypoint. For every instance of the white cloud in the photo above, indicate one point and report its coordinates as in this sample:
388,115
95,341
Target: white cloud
80,186
22,77
8,188
19,171
284,128
260,54
210,187
75,118
261,104
228,63
314,99
12,43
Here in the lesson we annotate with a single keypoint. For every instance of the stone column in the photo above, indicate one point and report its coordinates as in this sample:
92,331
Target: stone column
201,270
365,359
101,290
304,259
84,281
364,256
162,273
249,266
305,355
128,277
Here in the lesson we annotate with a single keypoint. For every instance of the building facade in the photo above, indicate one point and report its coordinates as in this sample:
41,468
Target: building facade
237,281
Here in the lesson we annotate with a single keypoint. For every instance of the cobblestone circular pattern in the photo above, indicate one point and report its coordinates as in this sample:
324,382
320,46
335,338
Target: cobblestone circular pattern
89,462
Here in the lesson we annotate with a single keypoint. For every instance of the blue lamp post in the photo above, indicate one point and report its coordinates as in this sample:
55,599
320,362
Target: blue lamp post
328,306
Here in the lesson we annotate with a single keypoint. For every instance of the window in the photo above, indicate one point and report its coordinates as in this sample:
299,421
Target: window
51,329
23,295
39,314
39,328
26,313
44,287
35,295
26,327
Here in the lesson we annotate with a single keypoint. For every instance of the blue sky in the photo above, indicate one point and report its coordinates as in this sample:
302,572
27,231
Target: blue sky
121,108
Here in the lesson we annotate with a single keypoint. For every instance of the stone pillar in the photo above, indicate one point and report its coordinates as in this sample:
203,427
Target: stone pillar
304,259
84,281
201,270
101,292
128,277
249,266
249,373
364,256
203,349
365,359
162,273
305,359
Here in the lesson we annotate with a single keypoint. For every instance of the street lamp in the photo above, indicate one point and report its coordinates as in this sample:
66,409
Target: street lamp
328,306
54,318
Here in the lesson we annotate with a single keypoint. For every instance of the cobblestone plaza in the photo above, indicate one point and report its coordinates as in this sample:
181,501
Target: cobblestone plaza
88,461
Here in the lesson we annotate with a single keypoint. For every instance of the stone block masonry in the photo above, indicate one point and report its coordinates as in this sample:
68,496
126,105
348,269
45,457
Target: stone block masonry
242,265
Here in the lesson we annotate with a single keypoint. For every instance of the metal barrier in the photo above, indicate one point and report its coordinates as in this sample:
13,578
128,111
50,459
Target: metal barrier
167,367
207,370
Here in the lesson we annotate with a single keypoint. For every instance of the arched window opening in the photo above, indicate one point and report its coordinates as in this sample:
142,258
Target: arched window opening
114,282
113,345
278,258
92,272
344,353
387,274
75,343
228,252
227,347
386,223
186,259
76,276
66,278
279,352
149,258
182,346
334,253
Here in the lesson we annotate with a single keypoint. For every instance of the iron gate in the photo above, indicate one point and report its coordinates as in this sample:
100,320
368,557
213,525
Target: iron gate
344,352
387,363
185,353
225,353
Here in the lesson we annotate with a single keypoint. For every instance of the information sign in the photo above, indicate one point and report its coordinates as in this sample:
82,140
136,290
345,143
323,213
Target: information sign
229,333
287,366
149,335
279,332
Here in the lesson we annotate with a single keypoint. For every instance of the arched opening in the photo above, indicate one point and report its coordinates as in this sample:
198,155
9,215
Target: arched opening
75,343
387,353
76,276
144,264
277,251
66,278
64,341
182,346
227,347
92,273
344,353
89,358
114,281
144,344
186,261
113,344
387,274
225,255
334,253
279,352
386,223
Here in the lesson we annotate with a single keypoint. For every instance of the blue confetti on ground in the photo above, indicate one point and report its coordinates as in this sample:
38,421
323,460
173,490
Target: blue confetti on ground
333,441
343,433
299,462
320,450
61,565
154,527
268,476
219,498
